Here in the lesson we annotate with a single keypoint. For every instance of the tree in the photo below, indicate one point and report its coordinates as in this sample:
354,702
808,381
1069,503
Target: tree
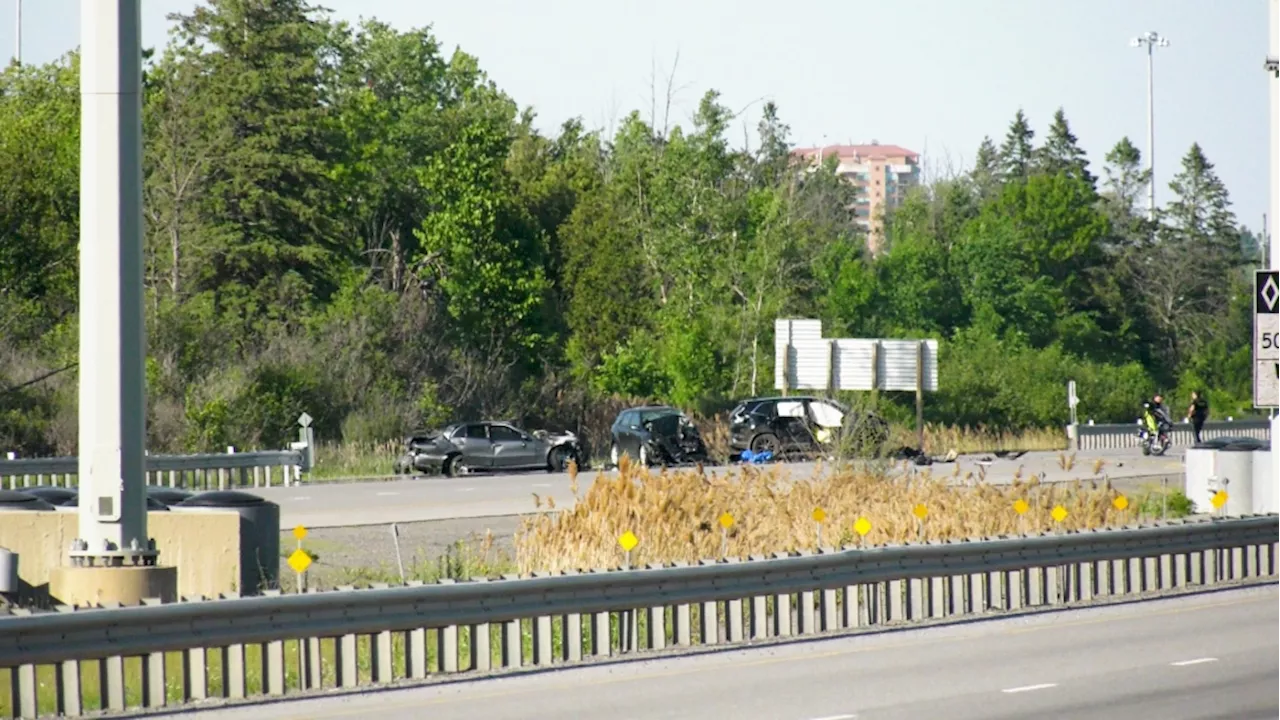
1062,153
1017,154
1126,180
269,185
986,169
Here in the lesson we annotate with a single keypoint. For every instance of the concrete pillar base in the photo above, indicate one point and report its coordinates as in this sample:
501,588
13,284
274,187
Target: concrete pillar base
129,585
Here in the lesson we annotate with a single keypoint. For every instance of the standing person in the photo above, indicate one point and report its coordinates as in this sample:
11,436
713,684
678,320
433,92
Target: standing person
1198,412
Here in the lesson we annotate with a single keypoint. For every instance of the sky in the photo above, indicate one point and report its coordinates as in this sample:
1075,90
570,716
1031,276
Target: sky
934,76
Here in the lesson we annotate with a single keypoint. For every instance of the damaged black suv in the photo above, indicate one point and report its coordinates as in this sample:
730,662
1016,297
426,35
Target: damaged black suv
656,435
804,426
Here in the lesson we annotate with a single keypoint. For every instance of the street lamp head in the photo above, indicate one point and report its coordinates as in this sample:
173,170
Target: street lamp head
1151,39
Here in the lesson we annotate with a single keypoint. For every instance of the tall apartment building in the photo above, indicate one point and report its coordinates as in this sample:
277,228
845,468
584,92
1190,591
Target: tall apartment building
883,175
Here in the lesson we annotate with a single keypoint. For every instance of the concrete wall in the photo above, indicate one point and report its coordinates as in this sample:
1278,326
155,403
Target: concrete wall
204,546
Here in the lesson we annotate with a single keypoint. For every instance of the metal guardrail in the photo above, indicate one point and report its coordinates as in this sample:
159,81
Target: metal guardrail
726,600
214,471
1111,436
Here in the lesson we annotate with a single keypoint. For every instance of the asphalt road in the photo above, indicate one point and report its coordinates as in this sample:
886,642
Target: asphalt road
417,499
1200,657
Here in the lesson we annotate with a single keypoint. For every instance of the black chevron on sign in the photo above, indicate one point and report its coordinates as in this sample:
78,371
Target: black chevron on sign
1266,291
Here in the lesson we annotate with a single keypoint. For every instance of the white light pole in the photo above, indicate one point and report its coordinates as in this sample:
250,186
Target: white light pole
1272,66
1151,40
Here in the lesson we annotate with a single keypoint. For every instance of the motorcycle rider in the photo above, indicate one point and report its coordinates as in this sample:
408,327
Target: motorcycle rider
1156,415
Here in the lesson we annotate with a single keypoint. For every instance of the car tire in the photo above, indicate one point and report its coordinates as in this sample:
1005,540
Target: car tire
767,441
558,459
450,466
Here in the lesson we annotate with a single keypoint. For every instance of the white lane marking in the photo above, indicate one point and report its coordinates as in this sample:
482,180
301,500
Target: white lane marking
1197,661
385,494
301,497
549,485
1028,688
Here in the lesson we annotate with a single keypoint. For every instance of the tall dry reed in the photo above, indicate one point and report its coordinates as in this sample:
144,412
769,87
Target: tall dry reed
675,514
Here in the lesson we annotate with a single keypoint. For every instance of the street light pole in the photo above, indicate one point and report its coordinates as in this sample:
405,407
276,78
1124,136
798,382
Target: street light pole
1151,40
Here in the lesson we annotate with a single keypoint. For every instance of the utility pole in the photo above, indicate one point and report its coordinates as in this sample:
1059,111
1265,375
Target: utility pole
1151,40
112,559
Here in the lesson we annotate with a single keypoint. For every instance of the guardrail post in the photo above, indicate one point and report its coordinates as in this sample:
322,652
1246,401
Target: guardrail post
415,647
23,682
805,612
656,628
542,634
67,681
681,619
733,620
153,672
601,632
854,610
345,654
781,609
571,645
379,650
827,605
759,610
481,645
447,641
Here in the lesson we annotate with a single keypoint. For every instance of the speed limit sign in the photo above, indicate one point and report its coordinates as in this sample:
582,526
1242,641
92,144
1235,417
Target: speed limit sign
1266,338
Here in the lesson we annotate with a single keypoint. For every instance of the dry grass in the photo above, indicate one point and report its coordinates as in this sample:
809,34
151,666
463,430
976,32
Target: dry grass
941,439
674,514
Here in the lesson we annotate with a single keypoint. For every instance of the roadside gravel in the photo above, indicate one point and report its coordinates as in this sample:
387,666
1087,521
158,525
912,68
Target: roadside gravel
429,550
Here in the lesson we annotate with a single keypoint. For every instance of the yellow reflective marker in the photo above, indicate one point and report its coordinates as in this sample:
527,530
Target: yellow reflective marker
299,532
1020,506
920,511
819,514
726,521
299,560
628,541
1121,502
1219,499
862,526
1059,513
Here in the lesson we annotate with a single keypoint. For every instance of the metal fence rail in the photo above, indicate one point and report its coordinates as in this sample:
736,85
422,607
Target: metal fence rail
1112,436
214,471
274,645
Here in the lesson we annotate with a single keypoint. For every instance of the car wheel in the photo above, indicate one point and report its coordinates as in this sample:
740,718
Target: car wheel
453,465
766,442
558,459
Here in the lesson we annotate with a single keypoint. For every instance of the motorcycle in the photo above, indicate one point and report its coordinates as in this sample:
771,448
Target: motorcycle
1153,443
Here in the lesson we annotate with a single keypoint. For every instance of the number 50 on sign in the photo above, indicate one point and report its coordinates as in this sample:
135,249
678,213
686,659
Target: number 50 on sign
1266,338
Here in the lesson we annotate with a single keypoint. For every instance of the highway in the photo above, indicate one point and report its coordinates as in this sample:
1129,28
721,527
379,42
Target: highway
321,504
1190,658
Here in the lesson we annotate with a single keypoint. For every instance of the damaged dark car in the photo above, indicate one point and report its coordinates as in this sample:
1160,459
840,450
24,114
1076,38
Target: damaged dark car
487,446
804,426
656,435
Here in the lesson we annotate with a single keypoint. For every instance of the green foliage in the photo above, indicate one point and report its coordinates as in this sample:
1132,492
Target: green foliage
344,220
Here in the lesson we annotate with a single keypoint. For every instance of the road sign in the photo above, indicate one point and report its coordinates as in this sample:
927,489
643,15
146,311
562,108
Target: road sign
304,420
1266,338
300,560
628,541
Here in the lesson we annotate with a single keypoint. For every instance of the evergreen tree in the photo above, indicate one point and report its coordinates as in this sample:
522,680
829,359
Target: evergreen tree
986,169
1061,152
1125,181
1016,154
1201,209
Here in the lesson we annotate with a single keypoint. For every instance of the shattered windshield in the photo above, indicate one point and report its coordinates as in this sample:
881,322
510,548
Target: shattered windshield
662,422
